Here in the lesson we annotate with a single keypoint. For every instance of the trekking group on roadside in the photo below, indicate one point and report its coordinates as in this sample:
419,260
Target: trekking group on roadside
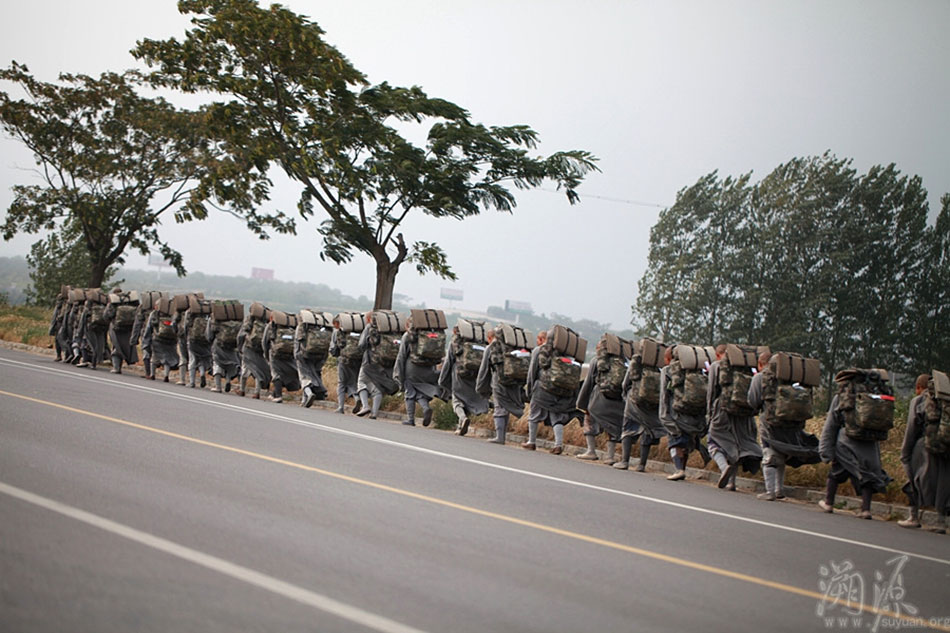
704,400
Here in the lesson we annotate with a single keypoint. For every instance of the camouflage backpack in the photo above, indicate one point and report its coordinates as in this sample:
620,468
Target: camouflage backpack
386,336
613,359
196,316
316,343
125,315
736,369
563,376
644,372
515,348
166,331
351,325
428,347
688,378
317,333
126,305
97,316
283,345
284,328
866,403
384,347
351,352
427,337
197,329
469,347
787,386
227,333
255,334
937,415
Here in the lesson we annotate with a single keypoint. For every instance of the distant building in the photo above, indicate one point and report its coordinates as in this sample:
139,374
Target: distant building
452,294
518,307
262,273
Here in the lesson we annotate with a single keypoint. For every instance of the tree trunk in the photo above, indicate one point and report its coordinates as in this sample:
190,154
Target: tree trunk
386,272
97,274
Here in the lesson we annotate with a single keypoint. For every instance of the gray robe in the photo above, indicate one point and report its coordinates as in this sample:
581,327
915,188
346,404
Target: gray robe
347,373
56,324
92,340
544,406
794,446
640,421
282,369
164,353
182,341
462,389
858,460
199,352
253,361
309,369
417,381
374,377
606,413
121,339
68,329
929,474
505,398
138,331
735,436
226,362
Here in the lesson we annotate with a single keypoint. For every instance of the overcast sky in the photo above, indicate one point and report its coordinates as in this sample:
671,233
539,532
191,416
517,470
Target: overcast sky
662,92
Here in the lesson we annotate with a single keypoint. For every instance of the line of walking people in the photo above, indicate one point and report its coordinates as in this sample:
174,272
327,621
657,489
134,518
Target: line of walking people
742,407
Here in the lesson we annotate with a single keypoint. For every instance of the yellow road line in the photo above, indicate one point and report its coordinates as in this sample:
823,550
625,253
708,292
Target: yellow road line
577,536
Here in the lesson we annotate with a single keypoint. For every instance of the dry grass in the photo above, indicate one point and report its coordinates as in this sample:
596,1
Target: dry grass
26,324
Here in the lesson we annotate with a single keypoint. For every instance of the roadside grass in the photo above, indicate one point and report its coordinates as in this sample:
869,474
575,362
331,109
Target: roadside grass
29,325
26,324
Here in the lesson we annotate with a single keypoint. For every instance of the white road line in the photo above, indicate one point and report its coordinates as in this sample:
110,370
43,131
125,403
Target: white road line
226,568
469,460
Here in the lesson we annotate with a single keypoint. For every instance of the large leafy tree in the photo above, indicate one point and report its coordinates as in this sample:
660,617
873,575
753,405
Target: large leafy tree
926,325
815,258
112,163
290,99
688,292
57,260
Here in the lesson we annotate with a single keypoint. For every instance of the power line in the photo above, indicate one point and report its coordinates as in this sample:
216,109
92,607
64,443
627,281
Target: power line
618,200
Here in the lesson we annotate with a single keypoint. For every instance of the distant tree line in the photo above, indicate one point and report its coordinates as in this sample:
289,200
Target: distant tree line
815,258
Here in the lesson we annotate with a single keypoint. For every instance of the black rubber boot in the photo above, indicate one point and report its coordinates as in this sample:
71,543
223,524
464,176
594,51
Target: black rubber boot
644,456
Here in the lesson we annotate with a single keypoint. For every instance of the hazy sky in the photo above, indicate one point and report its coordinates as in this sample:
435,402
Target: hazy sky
662,92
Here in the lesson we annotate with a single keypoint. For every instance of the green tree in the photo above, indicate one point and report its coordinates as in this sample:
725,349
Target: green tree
113,163
926,327
689,292
296,102
807,301
59,260
814,258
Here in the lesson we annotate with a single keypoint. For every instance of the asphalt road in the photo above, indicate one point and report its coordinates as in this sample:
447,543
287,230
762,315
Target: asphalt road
132,505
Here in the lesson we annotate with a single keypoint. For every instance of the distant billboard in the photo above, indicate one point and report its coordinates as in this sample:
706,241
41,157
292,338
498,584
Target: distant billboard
452,294
518,307
262,273
157,260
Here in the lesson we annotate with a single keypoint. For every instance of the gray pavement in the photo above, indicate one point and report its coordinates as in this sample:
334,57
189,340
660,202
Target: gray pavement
264,514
